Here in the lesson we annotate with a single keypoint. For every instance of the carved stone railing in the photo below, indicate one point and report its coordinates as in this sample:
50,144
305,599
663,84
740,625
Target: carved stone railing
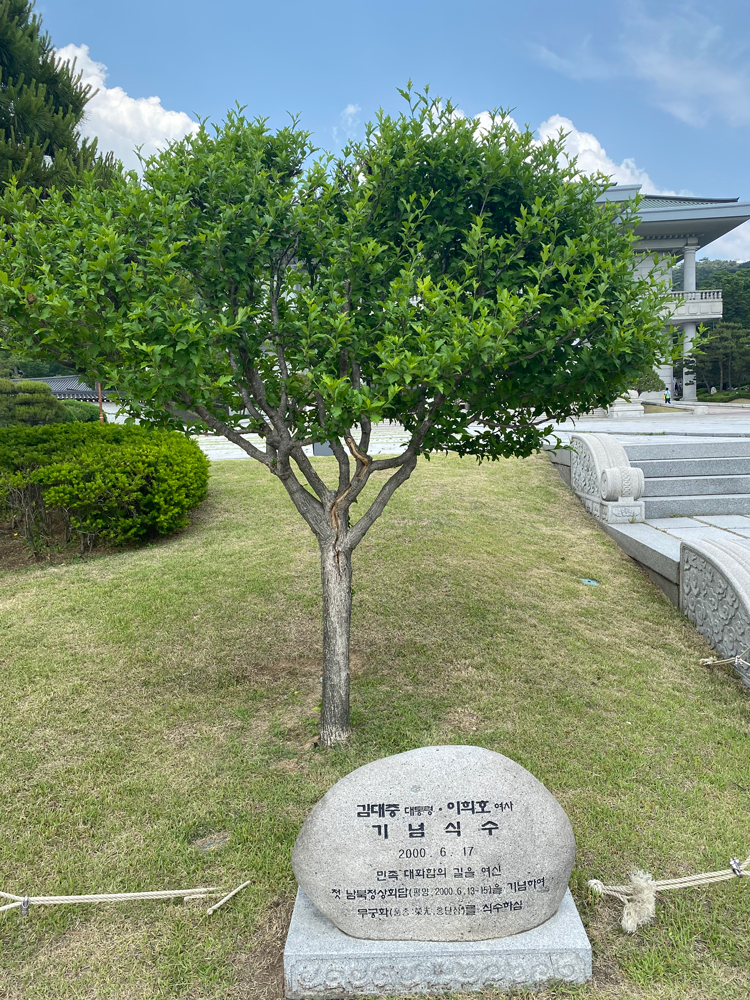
715,595
704,304
604,480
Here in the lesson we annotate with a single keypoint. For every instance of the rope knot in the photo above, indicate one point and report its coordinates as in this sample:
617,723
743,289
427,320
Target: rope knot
641,905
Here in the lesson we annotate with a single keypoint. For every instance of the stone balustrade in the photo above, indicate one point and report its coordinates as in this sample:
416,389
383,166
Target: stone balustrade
698,307
599,472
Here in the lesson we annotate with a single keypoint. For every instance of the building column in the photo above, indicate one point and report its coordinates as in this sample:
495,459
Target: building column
688,377
688,271
666,374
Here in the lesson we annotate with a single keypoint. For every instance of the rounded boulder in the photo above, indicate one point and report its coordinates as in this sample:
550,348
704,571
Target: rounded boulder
443,843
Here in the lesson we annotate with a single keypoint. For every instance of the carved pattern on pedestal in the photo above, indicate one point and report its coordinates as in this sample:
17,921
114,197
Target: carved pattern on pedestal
621,482
713,606
583,475
322,978
606,483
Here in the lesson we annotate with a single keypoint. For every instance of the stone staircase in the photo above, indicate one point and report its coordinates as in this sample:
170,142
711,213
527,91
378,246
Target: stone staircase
693,476
679,506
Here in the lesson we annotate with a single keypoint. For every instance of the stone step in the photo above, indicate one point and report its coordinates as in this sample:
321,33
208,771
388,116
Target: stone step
656,551
693,467
692,505
696,486
671,448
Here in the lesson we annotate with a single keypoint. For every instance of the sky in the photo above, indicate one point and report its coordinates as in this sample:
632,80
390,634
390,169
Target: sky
656,94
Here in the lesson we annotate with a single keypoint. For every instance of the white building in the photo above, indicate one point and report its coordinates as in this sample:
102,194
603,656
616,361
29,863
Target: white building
678,227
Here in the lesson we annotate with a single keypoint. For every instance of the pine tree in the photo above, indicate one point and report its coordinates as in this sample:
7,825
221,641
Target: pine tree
29,403
42,102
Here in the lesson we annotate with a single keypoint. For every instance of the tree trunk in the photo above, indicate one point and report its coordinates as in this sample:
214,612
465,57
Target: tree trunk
336,574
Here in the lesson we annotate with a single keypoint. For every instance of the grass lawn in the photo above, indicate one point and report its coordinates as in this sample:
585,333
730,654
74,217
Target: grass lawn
657,408
160,701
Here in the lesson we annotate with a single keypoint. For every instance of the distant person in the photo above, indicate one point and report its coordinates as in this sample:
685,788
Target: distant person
667,396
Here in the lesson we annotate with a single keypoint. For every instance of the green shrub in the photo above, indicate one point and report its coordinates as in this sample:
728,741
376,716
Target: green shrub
726,396
29,404
649,381
76,409
111,482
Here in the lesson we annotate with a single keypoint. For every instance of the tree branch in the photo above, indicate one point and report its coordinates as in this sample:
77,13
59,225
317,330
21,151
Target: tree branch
230,433
358,531
310,508
308,471
249,405
417,438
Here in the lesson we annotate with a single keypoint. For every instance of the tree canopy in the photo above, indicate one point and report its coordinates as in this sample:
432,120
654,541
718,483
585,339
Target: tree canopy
464,281
42,102
722,353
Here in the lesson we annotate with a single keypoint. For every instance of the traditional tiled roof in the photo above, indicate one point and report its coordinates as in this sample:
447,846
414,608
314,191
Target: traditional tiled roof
669,223
69,387
678,201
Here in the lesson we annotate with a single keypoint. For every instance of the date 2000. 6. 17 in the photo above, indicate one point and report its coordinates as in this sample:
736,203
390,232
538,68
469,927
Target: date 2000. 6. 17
409,853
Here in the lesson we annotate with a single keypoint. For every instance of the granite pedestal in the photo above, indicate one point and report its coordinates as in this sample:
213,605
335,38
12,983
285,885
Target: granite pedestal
322,961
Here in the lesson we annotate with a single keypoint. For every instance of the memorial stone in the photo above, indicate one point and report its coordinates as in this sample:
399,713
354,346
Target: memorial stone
443,843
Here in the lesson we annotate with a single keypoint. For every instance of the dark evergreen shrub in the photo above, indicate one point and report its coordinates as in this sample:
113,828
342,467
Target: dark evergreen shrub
92,481
29,403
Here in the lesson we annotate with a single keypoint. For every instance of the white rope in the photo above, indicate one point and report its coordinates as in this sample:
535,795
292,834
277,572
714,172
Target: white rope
738,662
215,907
24,902
639,895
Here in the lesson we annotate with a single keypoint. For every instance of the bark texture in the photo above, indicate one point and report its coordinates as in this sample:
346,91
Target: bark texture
336,576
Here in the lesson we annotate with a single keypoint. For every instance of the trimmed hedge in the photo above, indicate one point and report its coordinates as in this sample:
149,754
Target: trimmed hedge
112,482
31,404
77,409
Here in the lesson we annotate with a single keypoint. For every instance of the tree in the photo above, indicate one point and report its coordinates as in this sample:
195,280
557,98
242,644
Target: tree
29,403
648,381
722,356
461,281
736,289
11,365
42,102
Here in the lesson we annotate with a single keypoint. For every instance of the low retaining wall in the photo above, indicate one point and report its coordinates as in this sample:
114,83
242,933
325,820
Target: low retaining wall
715,595
708,580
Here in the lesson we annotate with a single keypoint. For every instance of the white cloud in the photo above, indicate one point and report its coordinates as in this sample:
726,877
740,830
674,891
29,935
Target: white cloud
350,115
693,69
349,123
592,156
695,72
733,246
487,120
121,122
581,64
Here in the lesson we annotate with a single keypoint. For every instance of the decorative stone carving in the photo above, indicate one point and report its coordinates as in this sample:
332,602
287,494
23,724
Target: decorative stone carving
606,483
715,594
375,976
320,961
584,477
622,481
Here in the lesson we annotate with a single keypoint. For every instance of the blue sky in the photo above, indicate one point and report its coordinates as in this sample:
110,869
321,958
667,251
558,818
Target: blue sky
656,93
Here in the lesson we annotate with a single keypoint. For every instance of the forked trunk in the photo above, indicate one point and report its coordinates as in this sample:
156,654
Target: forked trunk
336,574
